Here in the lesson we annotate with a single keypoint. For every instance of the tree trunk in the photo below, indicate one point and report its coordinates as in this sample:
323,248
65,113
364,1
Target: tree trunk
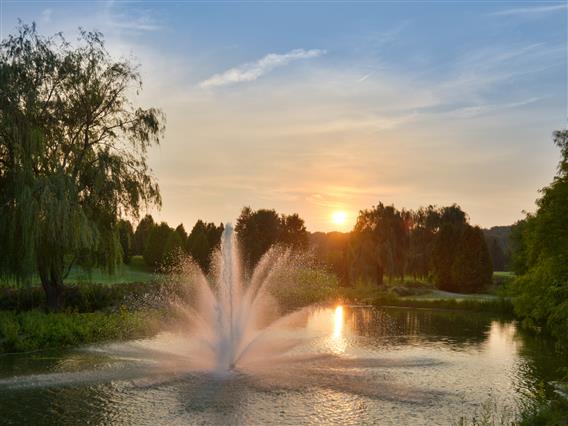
54,294
380,273
52,283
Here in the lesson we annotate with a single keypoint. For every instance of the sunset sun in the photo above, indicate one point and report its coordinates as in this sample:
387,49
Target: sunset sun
339,217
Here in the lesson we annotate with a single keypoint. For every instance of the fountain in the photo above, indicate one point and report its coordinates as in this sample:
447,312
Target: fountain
227,319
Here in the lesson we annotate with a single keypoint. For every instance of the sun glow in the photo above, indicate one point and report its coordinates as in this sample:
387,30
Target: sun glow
339,217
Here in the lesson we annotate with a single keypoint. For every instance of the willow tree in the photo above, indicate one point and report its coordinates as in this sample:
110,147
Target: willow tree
73,155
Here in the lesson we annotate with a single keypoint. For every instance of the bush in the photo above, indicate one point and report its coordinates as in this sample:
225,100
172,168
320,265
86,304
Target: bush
86,297
33,330
542,300
306,287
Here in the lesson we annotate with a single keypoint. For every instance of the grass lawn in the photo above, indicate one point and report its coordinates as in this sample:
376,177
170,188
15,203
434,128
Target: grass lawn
135,272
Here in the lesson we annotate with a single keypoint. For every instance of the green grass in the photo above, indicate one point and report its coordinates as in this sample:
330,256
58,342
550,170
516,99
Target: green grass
434,299
34,330
135,272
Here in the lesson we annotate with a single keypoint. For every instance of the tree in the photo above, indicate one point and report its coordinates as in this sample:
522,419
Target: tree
424,225
452,223
471,268
259,230
293,232
198,245
126,236
180,231
202,240
214,234
384,231
173,249
540,254
73,152
143,230
157,245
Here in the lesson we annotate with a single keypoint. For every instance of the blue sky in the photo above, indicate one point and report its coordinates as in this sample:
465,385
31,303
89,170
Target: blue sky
313,107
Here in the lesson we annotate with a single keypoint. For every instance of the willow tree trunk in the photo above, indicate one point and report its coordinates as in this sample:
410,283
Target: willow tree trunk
380,274
52,283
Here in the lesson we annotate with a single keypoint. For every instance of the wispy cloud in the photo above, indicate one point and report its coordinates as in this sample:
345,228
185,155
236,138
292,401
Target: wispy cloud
254,70
138,24
477,110
45,16
531,10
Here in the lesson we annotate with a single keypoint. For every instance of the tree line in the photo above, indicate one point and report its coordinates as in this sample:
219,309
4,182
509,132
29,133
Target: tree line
161,245
430,243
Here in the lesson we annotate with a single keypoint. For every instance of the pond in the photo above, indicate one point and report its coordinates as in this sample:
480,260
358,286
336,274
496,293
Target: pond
349,365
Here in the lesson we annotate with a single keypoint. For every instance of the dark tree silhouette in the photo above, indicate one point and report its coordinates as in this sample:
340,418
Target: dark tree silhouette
143,230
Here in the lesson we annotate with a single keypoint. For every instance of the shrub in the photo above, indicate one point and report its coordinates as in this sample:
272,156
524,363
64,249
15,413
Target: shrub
306,287
33,330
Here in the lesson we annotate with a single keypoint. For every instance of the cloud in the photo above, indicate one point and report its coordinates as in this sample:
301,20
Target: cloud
530,10
254,70
477,110
45,16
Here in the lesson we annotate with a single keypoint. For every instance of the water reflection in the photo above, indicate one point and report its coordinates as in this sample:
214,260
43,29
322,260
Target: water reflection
387,366
338,342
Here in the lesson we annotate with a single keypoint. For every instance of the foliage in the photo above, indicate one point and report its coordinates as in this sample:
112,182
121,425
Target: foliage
125,236
472,267
164,245
33,330
383,232
86,297
540,256
143,230
73,155
261,229
201,242
428,243
306,287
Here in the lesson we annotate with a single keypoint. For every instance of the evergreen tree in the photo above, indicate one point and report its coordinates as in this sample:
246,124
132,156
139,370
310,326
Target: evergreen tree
143,230
198,246
156,245
180,231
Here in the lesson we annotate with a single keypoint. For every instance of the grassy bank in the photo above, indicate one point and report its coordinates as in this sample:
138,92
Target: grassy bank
33,330
426,298
85,297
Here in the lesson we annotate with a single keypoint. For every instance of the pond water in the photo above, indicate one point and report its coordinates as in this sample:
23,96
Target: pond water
352,365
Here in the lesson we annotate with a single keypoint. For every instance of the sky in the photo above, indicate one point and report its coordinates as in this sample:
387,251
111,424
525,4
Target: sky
318,107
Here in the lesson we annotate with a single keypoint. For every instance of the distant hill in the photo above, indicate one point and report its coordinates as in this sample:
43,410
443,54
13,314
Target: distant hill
497,238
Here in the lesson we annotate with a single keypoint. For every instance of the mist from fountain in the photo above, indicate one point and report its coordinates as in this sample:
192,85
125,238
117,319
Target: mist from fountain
230,320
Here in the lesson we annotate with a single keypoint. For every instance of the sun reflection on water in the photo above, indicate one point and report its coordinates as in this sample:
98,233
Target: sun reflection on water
337,339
